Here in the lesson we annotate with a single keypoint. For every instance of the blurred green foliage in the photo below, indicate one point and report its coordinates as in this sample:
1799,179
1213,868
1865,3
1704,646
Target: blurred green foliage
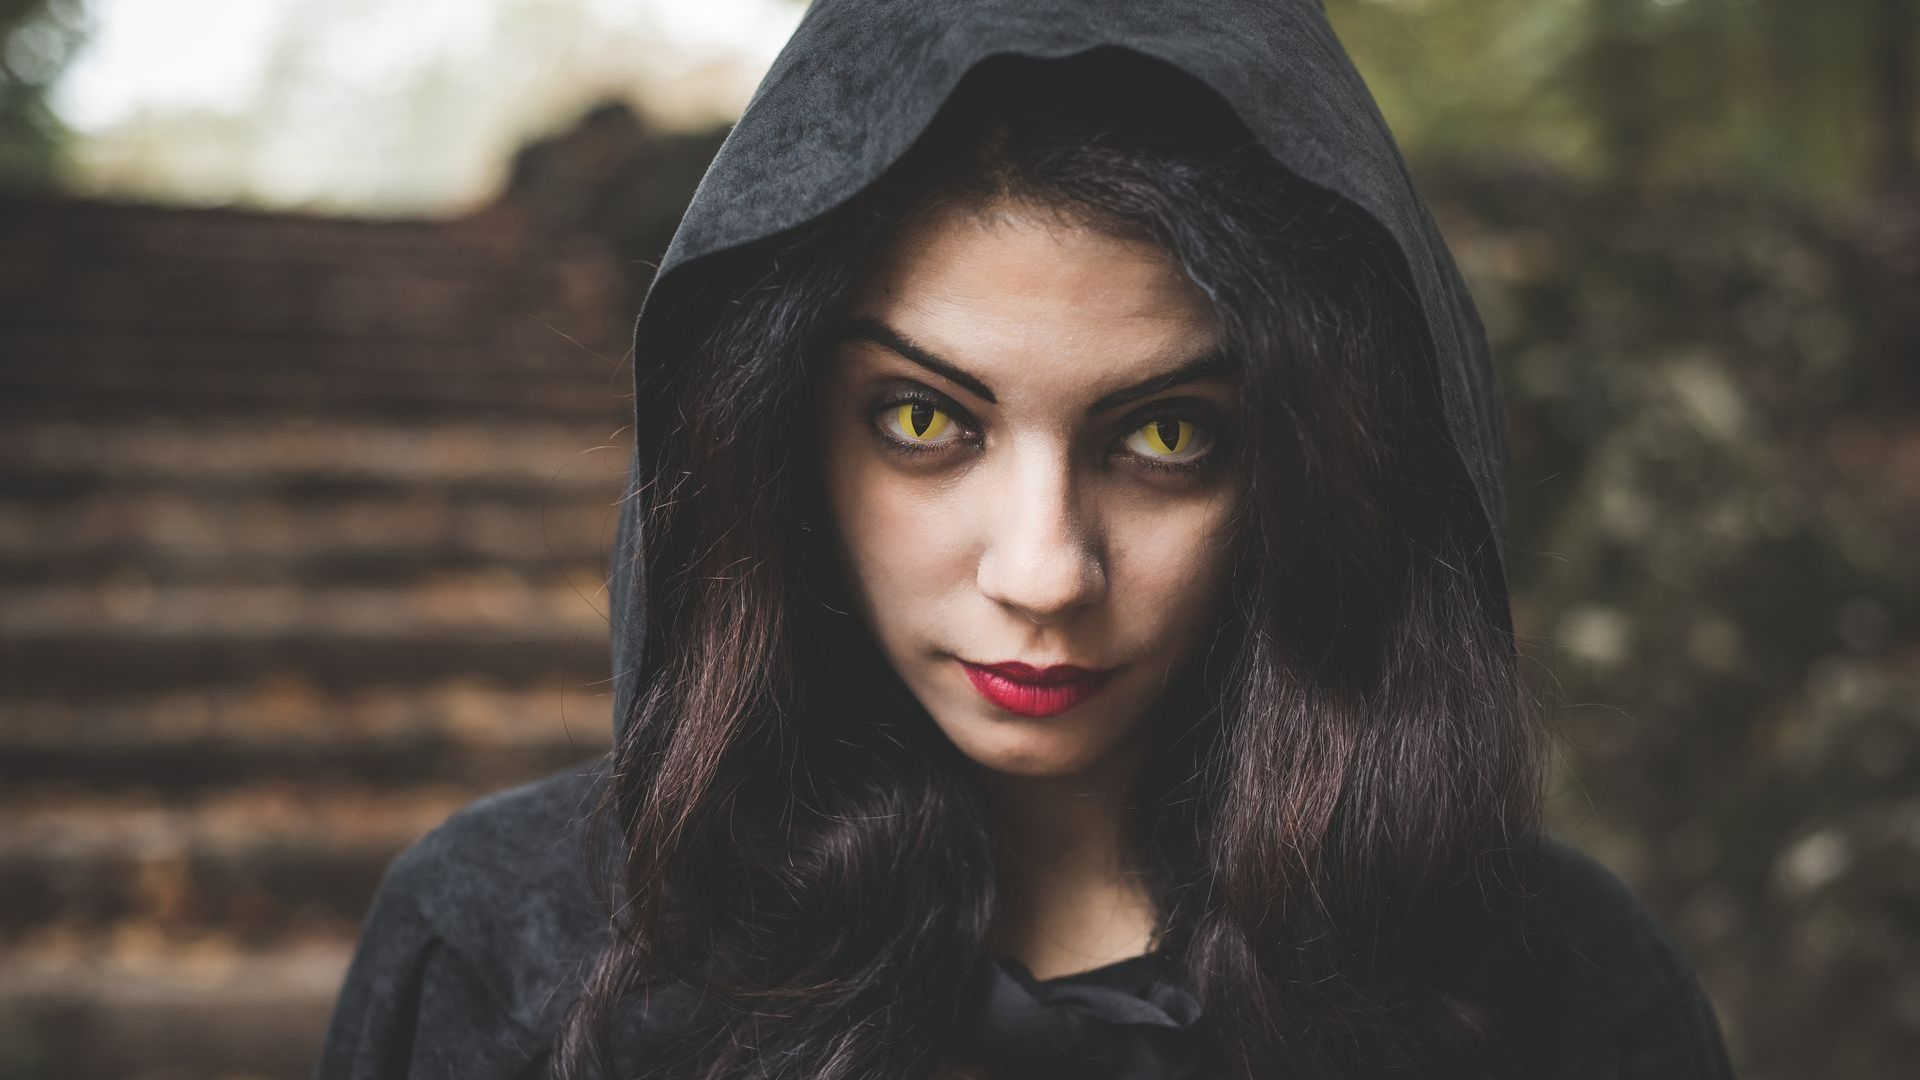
37,40
1716,515
1815,98
1693,231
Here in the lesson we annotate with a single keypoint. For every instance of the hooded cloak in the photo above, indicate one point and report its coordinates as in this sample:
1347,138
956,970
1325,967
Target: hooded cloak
480,934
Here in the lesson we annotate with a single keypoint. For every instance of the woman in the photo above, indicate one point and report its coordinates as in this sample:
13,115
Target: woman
1060,620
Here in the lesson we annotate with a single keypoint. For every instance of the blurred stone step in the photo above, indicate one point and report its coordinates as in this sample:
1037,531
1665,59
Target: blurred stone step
57,228
255,863
534,349
482,606
104,664
236,521
281,301
558,458
93,264
28,395
146,563
241,537
44,489
470,731
129,636
134,1004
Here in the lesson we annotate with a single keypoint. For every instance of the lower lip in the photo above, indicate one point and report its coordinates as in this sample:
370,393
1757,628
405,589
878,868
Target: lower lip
1033,699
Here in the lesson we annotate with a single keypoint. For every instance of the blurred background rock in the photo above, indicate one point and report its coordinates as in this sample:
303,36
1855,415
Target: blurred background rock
312,331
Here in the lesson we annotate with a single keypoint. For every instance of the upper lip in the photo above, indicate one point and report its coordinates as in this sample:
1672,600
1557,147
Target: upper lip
1053,673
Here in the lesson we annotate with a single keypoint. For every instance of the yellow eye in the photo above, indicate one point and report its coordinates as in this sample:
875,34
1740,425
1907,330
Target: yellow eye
1167,441
919,422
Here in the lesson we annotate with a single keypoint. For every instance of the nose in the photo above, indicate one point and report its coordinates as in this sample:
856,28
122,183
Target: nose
1041,557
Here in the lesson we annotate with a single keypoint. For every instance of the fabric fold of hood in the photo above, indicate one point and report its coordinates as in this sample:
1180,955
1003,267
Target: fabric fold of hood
861,79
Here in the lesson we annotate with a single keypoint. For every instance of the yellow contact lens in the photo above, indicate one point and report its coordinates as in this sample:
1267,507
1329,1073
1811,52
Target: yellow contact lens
1158,431
922,421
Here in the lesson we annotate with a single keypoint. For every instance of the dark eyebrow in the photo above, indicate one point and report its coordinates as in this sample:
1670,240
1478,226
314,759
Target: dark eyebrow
1204,366
1200,367
864,329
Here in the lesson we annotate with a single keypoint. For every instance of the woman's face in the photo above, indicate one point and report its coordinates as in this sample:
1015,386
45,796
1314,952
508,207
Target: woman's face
1027,458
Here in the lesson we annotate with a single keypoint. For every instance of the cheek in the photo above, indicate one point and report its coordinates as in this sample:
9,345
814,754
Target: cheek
897,540
1172,569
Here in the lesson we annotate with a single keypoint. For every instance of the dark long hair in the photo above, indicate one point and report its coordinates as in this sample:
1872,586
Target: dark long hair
1345,766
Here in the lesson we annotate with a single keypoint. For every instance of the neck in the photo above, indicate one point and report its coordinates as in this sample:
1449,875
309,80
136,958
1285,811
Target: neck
1070,896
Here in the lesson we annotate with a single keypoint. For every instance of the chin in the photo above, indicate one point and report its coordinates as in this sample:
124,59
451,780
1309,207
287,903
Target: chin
1034,748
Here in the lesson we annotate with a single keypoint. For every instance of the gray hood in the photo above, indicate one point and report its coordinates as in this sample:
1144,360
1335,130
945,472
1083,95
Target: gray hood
861,79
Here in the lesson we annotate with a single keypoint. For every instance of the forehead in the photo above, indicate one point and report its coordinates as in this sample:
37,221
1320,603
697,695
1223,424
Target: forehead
1014,290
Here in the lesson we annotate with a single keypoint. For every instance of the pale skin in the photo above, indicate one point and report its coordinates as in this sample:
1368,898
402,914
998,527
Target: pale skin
1033,527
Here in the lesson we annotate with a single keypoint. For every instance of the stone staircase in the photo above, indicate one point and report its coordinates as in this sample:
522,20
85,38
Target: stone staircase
303,534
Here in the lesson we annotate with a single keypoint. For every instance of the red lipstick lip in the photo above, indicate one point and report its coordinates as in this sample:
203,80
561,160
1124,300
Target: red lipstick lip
1046,676
1030,691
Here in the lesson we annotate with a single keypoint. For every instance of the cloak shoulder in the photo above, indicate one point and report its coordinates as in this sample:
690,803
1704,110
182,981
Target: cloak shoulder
481,933
1612,995
475,945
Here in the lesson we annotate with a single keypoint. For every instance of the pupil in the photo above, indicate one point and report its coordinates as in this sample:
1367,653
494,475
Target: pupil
921,419
1169,433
